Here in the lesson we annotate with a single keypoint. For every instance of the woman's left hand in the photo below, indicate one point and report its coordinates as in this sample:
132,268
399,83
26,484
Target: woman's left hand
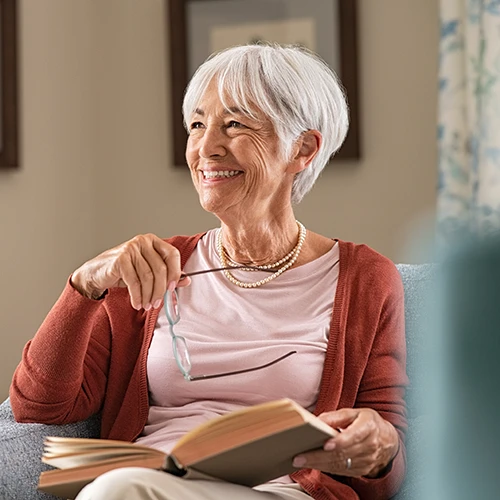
365,446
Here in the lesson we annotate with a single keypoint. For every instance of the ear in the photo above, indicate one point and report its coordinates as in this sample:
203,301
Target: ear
306,148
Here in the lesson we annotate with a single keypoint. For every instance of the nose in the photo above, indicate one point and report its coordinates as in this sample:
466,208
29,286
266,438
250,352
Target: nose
213,143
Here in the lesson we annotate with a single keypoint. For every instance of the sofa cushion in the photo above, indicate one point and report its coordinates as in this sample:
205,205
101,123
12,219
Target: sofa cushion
21,447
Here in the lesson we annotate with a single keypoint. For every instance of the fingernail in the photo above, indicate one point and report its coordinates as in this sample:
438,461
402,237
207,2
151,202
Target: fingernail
157,304
171,286
299,461
139,307
148,307
329,446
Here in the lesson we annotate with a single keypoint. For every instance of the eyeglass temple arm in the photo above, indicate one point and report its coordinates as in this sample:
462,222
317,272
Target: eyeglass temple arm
252,268
229,268
205,377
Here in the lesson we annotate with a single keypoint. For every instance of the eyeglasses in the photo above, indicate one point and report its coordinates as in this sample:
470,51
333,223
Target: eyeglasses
179,344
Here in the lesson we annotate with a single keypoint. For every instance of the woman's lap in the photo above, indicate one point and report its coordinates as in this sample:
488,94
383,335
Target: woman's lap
145,484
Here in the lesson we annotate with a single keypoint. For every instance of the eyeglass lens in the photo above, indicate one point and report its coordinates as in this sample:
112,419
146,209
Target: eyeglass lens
181,354
172,306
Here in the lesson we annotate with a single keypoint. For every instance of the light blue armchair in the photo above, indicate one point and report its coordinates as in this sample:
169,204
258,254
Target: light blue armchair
21,444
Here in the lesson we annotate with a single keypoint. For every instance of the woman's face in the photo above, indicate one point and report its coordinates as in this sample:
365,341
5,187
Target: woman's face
235,161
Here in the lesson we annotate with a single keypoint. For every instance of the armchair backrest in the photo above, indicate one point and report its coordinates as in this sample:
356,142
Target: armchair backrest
417,282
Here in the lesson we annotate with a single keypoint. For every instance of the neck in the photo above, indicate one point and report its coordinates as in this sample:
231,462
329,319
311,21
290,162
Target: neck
261,242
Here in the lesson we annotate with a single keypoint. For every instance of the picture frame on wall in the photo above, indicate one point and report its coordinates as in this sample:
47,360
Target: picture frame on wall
200,27
8,85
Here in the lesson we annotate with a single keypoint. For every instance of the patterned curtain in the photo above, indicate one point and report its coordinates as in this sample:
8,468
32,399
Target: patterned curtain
469,117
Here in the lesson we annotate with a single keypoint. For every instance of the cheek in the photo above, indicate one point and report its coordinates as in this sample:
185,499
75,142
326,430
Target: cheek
253,151
192,157
263,159
190,149
267,148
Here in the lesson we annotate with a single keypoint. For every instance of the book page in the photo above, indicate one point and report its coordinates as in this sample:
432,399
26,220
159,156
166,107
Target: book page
247,425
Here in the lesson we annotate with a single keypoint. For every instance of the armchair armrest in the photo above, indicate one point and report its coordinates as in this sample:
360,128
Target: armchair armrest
21,447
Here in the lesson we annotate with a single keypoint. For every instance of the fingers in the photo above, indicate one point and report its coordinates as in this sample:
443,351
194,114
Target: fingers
336,462
157,265
364,440
340,419
132,282
146,265
361,428
355,427
184,281
172,259
155,284
147,276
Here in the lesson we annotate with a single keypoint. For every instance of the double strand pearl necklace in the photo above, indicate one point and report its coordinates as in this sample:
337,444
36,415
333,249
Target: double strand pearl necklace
286,262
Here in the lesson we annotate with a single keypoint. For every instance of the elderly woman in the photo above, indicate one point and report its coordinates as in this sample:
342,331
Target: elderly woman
263,121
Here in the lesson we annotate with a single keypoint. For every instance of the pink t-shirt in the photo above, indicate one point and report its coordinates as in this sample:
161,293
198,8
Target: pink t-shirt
230,328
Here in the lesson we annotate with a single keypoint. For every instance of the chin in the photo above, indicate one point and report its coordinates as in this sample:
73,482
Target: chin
212,206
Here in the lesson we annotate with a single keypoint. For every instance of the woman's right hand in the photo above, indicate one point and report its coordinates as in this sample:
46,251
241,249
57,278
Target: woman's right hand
146,265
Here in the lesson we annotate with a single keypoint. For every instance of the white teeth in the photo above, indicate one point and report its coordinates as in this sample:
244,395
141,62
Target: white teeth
220,173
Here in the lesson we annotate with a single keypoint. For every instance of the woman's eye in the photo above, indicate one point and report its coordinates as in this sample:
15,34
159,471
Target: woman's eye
195,125
235,124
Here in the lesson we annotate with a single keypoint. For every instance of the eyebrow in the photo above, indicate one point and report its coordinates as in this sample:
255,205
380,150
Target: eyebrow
229,111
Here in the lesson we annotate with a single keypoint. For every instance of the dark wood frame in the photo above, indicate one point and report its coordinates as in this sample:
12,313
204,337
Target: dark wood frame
348,74
9,102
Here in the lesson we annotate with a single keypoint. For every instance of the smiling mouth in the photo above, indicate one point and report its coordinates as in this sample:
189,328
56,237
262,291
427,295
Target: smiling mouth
220,174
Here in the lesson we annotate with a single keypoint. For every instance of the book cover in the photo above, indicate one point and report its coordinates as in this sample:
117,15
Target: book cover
248,447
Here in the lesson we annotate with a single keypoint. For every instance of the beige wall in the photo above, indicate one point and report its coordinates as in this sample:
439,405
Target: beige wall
96,150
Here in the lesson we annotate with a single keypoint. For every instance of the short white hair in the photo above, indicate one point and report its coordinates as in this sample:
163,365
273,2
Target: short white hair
291,85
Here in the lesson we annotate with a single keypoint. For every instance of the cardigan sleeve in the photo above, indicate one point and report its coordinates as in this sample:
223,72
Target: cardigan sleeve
384,381
63,372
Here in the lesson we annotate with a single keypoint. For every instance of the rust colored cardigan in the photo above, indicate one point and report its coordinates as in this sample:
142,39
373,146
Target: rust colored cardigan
90,356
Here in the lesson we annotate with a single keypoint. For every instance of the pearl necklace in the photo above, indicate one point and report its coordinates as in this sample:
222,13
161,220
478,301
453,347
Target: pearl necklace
288,261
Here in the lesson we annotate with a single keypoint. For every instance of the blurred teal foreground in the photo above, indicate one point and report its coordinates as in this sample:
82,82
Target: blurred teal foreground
461,451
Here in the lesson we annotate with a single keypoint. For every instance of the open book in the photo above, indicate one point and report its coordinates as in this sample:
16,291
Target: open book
249,447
